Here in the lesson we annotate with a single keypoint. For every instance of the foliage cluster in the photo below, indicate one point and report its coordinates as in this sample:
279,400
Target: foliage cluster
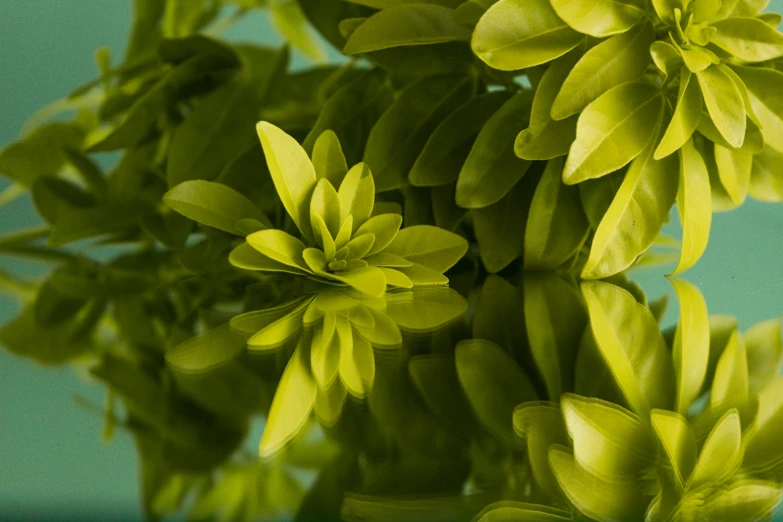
209,279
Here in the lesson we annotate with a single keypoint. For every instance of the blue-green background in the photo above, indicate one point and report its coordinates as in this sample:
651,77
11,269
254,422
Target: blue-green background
51,456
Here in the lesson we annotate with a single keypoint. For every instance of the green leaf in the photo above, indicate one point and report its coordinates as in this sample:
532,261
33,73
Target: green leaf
546,138
555,318
279,246
55,197
499,316
628,338
42,152
596,498
368,280
730,384
357,195
697,59
328,158
292,173
400,134
620,59
291,406
557,226
384,228
766,102
492,168
449,145
220,126
494,385
704,10
500,227
325,209
613,130
666,58
678,442
600,18
764,348
685,119
749,39
750,7
357,361
246,257
207,351
635,216
429,246
766,178
180,81
744,501
724,103
408,24
350,113
609,441
665,9
691,350
214,205
290,22
53,344
721,454
734,170
517,34
105,218
694,204
90,172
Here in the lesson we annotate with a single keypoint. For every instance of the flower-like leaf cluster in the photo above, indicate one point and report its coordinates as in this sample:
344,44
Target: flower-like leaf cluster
340,240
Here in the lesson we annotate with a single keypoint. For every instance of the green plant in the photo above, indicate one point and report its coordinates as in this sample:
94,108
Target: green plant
430,309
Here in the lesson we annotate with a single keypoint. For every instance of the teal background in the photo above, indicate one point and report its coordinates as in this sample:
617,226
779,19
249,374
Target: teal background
51,455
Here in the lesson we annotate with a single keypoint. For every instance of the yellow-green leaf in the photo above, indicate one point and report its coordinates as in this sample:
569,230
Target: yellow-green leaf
694,204
328,158
292,173
556,226
357,195
636,214
600,18
686,116
620,59
613,130
279,246
516,34
724,103
749,39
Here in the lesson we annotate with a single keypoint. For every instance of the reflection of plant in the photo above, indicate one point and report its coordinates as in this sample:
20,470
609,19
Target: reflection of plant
334,331
634,460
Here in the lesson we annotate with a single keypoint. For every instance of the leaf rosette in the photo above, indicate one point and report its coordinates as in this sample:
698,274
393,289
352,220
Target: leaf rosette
341,240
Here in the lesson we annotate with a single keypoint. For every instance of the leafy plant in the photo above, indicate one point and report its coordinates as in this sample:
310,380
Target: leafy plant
450,317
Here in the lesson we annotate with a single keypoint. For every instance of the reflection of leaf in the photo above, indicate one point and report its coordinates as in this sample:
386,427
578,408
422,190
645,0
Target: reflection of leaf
555,316
428,309
592,496
436,379
292,404
629,340
494,384
610,442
